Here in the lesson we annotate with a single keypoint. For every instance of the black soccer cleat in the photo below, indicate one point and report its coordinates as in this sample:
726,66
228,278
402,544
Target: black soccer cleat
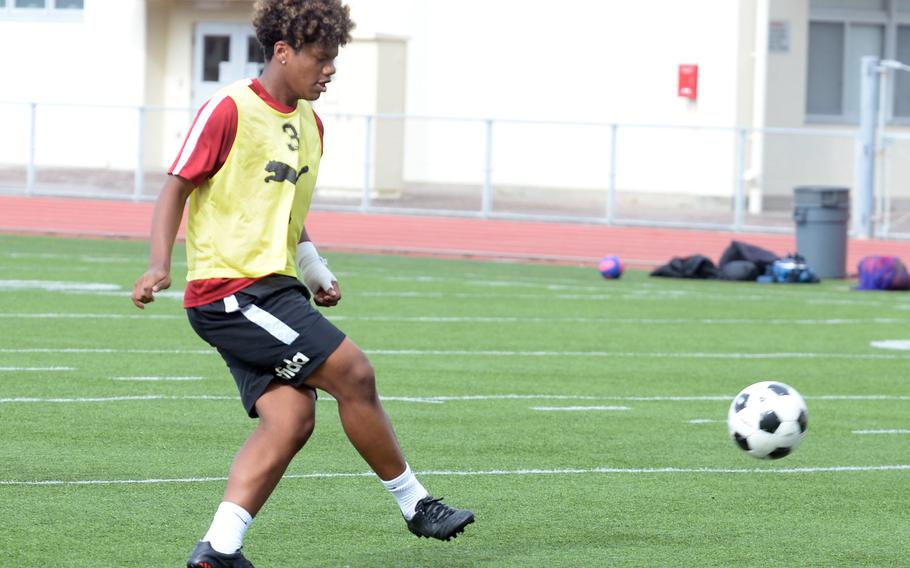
204,556
435,519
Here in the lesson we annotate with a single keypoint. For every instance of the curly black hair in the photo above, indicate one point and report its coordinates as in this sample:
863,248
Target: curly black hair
298,22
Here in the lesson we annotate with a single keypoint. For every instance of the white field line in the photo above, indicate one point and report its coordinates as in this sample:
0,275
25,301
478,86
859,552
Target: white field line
703,421
581,289
833,301
587,292
895,344
54,270
506,319
702,398
444,399
57,286
650,296
33,369
639,295
73,315
149,379
584,282
635,354
143,398
483,280
591,283
417,399
489,472
111,350
594,284
96,258
631,321
90,288
896,431
469,353
103,259
578,408
125,294
101,289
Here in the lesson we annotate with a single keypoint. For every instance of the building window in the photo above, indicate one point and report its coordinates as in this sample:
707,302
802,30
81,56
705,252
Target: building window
35,7
902,78
216,50
841,33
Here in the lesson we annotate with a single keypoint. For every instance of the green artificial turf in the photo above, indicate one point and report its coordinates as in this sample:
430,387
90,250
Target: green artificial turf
473,360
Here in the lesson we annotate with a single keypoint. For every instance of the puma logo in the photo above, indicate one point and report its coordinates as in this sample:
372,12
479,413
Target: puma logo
282,172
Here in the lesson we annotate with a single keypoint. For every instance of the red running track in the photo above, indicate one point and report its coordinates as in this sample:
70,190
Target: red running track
427,235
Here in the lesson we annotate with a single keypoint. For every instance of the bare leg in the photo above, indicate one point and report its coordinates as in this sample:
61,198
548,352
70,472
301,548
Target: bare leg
348,376
286,419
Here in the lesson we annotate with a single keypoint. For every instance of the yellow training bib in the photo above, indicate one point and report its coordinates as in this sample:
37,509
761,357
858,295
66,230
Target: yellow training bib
246,220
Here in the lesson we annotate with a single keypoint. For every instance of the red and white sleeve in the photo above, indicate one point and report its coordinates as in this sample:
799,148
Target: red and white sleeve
209,141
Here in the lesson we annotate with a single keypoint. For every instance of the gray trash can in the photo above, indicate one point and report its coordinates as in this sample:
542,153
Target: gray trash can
821,215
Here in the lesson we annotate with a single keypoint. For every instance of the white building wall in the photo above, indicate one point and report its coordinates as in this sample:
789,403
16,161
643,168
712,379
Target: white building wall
577,60
96,57
609,61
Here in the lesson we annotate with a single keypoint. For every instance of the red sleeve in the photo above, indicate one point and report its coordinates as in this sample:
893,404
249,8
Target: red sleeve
321,131
208,143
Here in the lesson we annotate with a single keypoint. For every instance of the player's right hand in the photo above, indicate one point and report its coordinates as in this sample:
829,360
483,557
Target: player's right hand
328,297
154,280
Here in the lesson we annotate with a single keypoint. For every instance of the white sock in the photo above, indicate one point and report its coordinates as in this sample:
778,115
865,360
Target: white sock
406,490
228,527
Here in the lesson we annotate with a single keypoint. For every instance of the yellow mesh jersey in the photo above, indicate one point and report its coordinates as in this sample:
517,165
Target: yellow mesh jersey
246,220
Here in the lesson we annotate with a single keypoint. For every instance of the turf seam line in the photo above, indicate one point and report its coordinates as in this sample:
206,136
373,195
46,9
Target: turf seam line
444,399
491,353
492,472
502,319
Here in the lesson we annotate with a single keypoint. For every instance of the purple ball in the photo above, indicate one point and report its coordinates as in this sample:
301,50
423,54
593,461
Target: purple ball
610,267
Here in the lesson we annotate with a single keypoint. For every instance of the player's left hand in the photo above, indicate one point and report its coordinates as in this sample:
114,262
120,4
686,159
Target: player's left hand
328,298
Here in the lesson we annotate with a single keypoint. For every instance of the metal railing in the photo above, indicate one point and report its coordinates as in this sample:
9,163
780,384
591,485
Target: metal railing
728,178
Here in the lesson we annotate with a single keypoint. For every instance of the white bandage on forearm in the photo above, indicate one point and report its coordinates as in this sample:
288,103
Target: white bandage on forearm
312,268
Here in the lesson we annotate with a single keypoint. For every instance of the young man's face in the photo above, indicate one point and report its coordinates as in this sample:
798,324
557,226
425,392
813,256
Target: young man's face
310,69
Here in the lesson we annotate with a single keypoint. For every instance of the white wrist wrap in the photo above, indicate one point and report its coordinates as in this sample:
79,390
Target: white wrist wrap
312,268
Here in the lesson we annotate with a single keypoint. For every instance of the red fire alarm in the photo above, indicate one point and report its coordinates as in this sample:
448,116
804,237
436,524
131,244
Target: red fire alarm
688,82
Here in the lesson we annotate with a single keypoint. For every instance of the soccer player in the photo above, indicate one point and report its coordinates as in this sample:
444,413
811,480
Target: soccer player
248,167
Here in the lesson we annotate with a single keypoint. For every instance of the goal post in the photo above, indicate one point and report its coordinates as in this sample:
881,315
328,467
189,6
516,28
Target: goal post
874,74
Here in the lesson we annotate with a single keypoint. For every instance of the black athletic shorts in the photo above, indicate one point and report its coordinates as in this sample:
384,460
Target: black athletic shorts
267,332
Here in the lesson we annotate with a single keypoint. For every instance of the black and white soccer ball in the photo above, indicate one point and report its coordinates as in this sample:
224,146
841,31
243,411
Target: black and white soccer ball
768,420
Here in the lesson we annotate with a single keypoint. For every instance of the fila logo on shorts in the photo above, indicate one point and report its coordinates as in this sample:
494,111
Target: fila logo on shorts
292,366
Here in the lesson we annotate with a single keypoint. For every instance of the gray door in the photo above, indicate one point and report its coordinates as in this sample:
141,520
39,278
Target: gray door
223,53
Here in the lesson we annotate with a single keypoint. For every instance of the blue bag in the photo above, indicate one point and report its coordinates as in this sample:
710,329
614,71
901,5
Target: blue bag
792,269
